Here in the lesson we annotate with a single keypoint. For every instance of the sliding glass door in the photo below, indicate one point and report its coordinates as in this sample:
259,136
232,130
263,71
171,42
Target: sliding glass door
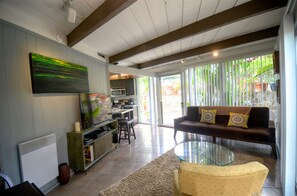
144,100
171,99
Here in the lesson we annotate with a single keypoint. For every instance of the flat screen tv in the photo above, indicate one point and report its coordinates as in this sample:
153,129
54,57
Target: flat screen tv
95,108
50,75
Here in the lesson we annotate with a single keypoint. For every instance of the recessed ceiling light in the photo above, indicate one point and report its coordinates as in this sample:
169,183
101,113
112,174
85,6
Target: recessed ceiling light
215,53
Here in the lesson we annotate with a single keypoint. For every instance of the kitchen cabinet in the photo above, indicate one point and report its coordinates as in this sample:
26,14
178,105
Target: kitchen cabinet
128,84
117,84
130,87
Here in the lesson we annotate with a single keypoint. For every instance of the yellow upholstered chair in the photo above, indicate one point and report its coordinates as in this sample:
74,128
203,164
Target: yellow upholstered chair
238,180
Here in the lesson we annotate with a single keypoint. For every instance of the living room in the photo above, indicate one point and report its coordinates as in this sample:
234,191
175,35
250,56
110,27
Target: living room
26,116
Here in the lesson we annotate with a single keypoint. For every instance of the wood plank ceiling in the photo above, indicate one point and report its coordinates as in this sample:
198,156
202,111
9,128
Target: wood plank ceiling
148,33
151,32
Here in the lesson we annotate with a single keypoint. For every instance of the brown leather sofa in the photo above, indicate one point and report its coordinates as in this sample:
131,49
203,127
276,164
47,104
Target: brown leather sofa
259,130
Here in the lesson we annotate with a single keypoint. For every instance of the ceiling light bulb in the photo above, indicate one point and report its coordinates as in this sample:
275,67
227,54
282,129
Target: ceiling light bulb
182,61
215,53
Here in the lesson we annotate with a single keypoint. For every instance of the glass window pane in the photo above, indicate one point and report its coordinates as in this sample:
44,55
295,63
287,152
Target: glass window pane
238,82
143,100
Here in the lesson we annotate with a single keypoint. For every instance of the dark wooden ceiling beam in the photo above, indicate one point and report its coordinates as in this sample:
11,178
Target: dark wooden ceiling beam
251,37
237,13
108,10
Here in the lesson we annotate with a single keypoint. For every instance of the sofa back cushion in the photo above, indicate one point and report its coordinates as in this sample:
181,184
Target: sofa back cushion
258,116
193,113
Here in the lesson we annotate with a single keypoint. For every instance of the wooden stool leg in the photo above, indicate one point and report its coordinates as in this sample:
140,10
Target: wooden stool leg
120,133
132,127
128,132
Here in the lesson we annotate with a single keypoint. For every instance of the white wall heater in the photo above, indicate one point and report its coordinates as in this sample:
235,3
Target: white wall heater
39,160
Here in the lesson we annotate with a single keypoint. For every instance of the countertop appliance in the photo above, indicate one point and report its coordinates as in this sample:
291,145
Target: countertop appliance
117,92
130,102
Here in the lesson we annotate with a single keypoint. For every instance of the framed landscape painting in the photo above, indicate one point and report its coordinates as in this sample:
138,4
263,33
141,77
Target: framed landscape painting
50,75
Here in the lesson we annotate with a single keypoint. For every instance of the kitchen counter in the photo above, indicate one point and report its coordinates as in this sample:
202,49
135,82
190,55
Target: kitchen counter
122,113
134,113
130,106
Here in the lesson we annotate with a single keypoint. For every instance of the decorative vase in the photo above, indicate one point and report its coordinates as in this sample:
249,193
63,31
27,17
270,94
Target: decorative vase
64,173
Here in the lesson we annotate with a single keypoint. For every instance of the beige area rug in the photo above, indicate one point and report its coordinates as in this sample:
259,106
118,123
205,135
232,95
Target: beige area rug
156,178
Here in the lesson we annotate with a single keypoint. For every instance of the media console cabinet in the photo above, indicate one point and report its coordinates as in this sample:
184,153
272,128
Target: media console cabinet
86,147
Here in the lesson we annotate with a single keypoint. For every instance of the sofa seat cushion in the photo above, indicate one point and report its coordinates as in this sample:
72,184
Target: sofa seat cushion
223,131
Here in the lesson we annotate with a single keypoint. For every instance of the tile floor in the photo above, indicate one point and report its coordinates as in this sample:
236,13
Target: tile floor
151,142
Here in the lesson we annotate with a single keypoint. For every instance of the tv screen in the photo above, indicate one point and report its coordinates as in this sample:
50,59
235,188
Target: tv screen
95,108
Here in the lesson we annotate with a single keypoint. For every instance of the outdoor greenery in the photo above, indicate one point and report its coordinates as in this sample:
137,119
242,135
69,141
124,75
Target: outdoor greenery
171,98
143,99
236,82
239,82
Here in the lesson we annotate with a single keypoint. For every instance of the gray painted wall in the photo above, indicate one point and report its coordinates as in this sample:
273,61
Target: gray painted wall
25,116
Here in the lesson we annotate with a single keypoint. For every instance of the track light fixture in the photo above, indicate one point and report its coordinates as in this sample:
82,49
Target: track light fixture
71,15
71,12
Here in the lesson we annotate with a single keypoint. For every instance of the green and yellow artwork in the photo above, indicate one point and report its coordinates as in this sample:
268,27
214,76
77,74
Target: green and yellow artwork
50,75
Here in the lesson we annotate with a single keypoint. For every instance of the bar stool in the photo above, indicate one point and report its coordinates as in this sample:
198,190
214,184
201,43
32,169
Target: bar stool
126,129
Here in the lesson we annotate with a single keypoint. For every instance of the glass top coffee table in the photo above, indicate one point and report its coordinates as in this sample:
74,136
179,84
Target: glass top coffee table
204,153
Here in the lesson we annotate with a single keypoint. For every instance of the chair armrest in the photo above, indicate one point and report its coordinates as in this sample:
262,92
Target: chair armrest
180,119
271,129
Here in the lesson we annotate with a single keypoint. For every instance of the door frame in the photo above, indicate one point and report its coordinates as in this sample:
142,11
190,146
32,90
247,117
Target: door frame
159,96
